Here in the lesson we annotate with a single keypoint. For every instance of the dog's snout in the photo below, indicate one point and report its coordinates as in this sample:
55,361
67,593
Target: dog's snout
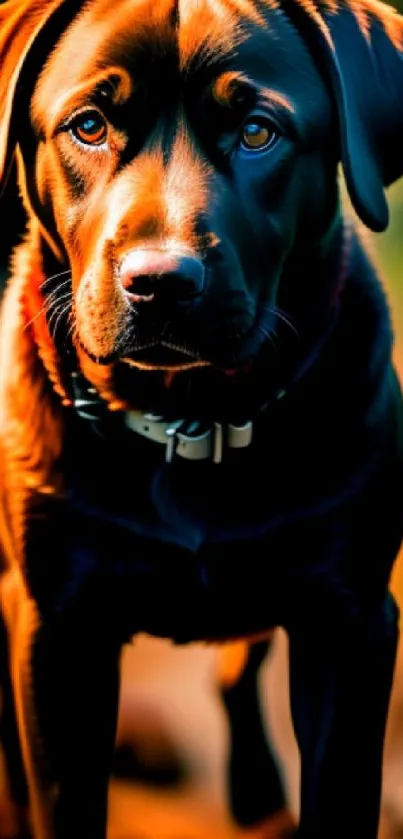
148,274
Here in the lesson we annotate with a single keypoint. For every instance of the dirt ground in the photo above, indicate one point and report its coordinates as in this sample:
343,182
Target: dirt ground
175,689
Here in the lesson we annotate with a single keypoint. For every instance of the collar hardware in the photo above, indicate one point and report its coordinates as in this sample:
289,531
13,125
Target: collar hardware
85,399
191,440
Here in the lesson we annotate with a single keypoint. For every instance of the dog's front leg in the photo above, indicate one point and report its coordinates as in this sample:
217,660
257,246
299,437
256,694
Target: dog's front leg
255,786
66,684
340,687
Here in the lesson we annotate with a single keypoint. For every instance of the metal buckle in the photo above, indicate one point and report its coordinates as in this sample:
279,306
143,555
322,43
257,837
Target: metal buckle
87,408
195,441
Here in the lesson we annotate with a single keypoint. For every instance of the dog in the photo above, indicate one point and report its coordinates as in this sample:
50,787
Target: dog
200,423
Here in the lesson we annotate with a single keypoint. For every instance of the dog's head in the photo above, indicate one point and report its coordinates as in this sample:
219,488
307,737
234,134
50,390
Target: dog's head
180,158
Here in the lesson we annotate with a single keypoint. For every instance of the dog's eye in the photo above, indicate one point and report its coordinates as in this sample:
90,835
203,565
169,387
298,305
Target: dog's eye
90,128
257,135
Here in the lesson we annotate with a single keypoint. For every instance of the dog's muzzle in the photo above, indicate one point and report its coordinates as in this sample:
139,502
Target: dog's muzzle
161,277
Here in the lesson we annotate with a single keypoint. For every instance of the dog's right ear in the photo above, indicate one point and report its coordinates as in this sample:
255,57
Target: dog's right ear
22,24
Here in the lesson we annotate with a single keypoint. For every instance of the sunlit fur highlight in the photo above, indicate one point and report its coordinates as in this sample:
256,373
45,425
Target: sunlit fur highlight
99,294
163,201
219,28
185,190
155,202
19,26
204,27
228,85
363,10
210,27
31,439
233,12
275,99
120,92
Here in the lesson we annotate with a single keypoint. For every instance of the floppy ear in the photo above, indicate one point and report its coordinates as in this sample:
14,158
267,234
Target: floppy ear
359,44
23,23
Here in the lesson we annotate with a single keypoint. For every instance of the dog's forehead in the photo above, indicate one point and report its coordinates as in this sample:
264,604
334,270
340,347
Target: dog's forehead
144,35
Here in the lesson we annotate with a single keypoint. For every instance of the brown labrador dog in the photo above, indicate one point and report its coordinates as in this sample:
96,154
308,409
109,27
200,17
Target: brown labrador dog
200,425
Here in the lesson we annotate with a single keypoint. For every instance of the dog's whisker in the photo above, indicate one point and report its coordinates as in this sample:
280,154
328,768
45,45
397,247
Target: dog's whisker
288,323
56,291
69,332
54,277
46,308
53,328
62,306
41,311
267,331
56,308
53,299
72,332
57,301
269,335
60,315
285,318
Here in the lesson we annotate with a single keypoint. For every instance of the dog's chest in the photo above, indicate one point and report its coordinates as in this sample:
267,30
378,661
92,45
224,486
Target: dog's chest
192,551
163,547
290,473
187,504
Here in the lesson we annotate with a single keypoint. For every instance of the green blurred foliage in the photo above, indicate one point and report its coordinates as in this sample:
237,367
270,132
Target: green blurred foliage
389,250
389,245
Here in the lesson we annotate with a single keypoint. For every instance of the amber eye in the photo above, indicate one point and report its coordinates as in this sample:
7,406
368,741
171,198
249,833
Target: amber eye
90,128
257,135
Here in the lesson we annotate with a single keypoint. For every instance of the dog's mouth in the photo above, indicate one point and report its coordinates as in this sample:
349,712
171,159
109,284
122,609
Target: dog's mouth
184,380
164,356
171,352
156,356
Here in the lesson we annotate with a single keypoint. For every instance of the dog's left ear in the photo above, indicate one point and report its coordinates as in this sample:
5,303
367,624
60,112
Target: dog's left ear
360,47
26,27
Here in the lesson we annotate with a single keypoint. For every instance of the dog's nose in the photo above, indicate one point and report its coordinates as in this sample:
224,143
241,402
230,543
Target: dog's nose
148,274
